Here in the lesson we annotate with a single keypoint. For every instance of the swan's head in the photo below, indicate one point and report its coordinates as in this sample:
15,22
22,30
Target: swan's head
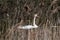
35,15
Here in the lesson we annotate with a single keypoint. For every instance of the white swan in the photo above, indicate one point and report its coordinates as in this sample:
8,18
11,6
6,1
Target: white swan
29,26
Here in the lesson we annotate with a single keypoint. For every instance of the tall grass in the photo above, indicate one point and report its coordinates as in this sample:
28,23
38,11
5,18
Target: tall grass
21,12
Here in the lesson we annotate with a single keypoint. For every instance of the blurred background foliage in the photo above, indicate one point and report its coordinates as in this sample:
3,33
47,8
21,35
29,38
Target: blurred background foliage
13,11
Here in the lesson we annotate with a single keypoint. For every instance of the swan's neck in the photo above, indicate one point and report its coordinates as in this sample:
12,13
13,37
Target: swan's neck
34,21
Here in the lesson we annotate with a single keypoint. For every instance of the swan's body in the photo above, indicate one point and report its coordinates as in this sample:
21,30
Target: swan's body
29,26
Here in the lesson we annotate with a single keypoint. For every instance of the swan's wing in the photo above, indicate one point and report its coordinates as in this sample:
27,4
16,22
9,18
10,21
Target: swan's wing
25,27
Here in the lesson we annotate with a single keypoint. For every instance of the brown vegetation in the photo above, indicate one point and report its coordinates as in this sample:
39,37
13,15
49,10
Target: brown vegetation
21,12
